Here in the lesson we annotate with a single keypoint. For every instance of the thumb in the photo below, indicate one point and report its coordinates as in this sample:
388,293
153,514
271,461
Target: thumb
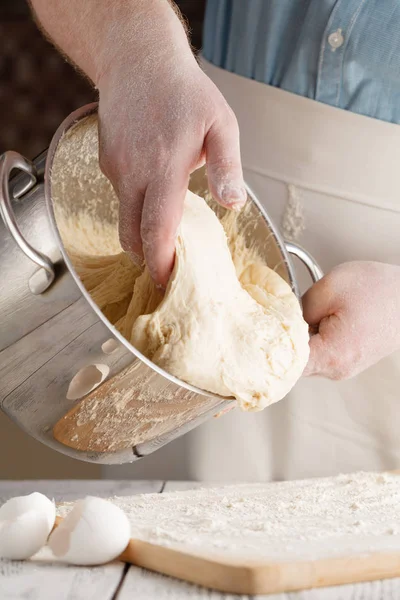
224,168
130,215
161,215
318,302
327,355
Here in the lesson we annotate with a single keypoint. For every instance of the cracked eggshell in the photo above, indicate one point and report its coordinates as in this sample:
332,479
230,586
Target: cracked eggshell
93,533
25,524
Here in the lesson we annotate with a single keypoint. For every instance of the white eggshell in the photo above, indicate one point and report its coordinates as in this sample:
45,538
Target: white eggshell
25,524
93,533
22,537
15,507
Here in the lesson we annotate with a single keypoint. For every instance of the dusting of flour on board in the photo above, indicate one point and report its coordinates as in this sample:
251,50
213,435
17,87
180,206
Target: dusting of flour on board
311,519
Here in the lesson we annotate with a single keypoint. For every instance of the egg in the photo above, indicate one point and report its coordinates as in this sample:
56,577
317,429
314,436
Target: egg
25,525
93,533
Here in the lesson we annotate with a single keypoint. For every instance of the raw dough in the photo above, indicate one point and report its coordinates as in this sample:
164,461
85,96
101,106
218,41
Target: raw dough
227,324
242,338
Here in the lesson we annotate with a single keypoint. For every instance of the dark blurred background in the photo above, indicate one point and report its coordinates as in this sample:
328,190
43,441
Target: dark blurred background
38,89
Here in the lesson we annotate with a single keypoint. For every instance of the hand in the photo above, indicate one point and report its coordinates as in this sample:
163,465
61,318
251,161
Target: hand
357,311
161,118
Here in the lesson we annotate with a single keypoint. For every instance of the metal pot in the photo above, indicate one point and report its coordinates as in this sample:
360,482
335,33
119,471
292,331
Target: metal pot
52,330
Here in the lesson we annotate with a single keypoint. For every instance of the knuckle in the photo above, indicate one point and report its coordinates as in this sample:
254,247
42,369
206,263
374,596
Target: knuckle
115,158
344,366
341,372
163,160
337,369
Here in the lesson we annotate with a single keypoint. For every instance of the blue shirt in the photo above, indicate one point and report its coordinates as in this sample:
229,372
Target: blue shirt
345,53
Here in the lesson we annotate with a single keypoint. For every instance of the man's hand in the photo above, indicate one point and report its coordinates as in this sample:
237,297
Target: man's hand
156,127
356,309
160,116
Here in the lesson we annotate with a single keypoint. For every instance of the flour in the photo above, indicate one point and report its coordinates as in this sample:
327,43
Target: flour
132,408
293,221
77,183
310,519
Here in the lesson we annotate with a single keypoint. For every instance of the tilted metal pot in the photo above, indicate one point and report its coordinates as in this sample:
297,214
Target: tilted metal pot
57,350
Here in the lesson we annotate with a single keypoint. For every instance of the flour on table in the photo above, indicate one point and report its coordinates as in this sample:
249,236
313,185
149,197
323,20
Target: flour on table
310,519
227,323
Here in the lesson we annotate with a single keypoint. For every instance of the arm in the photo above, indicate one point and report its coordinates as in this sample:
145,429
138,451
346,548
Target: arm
160,117
94,33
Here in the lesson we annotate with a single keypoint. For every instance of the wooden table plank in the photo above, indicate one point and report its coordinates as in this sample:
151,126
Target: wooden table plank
44,579
67,490
39,580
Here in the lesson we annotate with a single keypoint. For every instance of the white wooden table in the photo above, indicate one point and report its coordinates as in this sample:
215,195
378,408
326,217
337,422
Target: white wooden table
53,581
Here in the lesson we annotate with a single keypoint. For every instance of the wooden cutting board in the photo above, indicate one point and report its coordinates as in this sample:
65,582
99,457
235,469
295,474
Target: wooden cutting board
310,562
254,578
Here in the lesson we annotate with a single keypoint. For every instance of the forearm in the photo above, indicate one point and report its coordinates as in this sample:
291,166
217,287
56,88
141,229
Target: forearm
95,33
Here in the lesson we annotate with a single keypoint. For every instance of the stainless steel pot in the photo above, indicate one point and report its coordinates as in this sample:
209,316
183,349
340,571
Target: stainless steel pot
53,332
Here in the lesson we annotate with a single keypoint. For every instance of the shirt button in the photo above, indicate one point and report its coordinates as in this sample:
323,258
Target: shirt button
336,39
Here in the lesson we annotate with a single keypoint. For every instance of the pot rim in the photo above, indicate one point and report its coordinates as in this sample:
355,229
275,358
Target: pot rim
70,121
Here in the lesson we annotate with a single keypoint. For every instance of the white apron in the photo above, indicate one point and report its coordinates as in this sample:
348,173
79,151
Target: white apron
331,180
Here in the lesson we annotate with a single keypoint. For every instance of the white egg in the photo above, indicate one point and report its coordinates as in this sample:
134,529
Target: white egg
93,533
25,524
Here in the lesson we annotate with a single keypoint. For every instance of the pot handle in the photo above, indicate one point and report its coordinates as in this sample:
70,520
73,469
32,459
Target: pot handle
308,261
44,277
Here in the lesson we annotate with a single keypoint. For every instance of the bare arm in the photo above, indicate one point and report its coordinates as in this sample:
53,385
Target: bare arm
94,33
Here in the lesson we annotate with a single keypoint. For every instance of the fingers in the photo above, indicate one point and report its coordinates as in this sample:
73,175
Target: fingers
224,168
317,359
130,216
318,311
318,302
130,198
161,215
334,353
324,359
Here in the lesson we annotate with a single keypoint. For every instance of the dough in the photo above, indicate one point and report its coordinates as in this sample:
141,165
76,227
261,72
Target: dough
227,323
244,338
